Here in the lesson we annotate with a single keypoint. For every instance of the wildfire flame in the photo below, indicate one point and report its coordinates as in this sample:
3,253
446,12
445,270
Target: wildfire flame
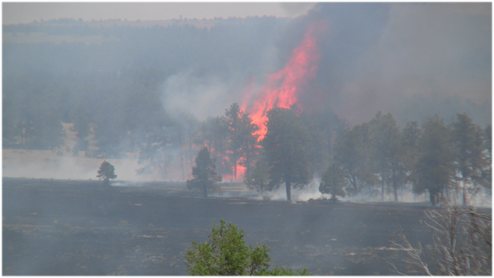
282,88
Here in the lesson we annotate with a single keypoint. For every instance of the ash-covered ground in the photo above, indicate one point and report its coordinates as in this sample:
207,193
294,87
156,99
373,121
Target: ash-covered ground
55,227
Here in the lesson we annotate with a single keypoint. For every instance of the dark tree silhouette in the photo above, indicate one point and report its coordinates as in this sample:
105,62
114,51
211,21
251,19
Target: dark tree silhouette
333,182
435,167
285,149
106,172
204,173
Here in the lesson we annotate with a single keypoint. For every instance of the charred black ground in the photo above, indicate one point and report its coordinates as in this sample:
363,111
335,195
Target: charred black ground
81,228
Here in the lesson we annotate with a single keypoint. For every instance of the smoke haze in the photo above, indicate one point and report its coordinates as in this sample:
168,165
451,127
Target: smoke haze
412,60
382,56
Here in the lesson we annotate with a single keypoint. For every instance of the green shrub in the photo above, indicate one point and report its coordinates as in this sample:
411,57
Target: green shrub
225,253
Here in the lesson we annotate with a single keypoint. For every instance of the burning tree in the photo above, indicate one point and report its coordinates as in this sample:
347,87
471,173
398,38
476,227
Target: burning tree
215,134
106,172
333,182
233,116
204,173
285,149
242,138
248,144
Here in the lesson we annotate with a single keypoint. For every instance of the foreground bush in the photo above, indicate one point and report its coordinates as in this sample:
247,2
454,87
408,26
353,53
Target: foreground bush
225,253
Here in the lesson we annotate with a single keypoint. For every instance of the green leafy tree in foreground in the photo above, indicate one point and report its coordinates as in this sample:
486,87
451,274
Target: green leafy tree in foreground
333,182
204,173
225,253
106,172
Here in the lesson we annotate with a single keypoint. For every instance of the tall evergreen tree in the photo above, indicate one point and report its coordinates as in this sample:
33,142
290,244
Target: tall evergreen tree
410,143
353,152
204,173
388,152
248,141
233,116
469,158
285,149
435,167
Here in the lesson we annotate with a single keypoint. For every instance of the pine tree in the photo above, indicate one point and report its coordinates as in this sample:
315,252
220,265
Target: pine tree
233,116
388,152
353,152
410,143
285,149
469,157
435,167
106,172
248,142
204,173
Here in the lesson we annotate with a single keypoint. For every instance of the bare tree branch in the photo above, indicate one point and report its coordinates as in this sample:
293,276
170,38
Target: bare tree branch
461,242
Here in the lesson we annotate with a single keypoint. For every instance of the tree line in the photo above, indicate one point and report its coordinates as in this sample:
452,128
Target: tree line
375,158
379,157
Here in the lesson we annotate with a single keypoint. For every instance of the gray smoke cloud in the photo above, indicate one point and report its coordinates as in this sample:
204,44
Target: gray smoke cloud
394,57
297,9
201,96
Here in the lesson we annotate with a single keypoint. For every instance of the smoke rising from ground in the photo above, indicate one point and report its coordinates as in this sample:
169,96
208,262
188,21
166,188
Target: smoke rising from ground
47,165
311,191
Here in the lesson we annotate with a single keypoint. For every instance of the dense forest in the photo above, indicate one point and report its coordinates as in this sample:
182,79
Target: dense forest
162,92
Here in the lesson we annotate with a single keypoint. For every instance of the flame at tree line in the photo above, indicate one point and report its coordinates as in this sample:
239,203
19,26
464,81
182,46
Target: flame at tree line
282,88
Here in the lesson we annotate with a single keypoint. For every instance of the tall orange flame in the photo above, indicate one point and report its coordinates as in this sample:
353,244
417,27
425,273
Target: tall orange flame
282,88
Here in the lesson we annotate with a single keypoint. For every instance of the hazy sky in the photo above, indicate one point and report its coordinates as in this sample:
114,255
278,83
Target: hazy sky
15,13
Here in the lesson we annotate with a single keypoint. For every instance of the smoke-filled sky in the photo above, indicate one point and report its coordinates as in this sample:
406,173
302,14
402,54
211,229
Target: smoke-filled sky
15,13
394,57
413,60
403,51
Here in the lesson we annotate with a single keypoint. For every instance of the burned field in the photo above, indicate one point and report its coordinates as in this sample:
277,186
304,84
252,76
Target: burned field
82,228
